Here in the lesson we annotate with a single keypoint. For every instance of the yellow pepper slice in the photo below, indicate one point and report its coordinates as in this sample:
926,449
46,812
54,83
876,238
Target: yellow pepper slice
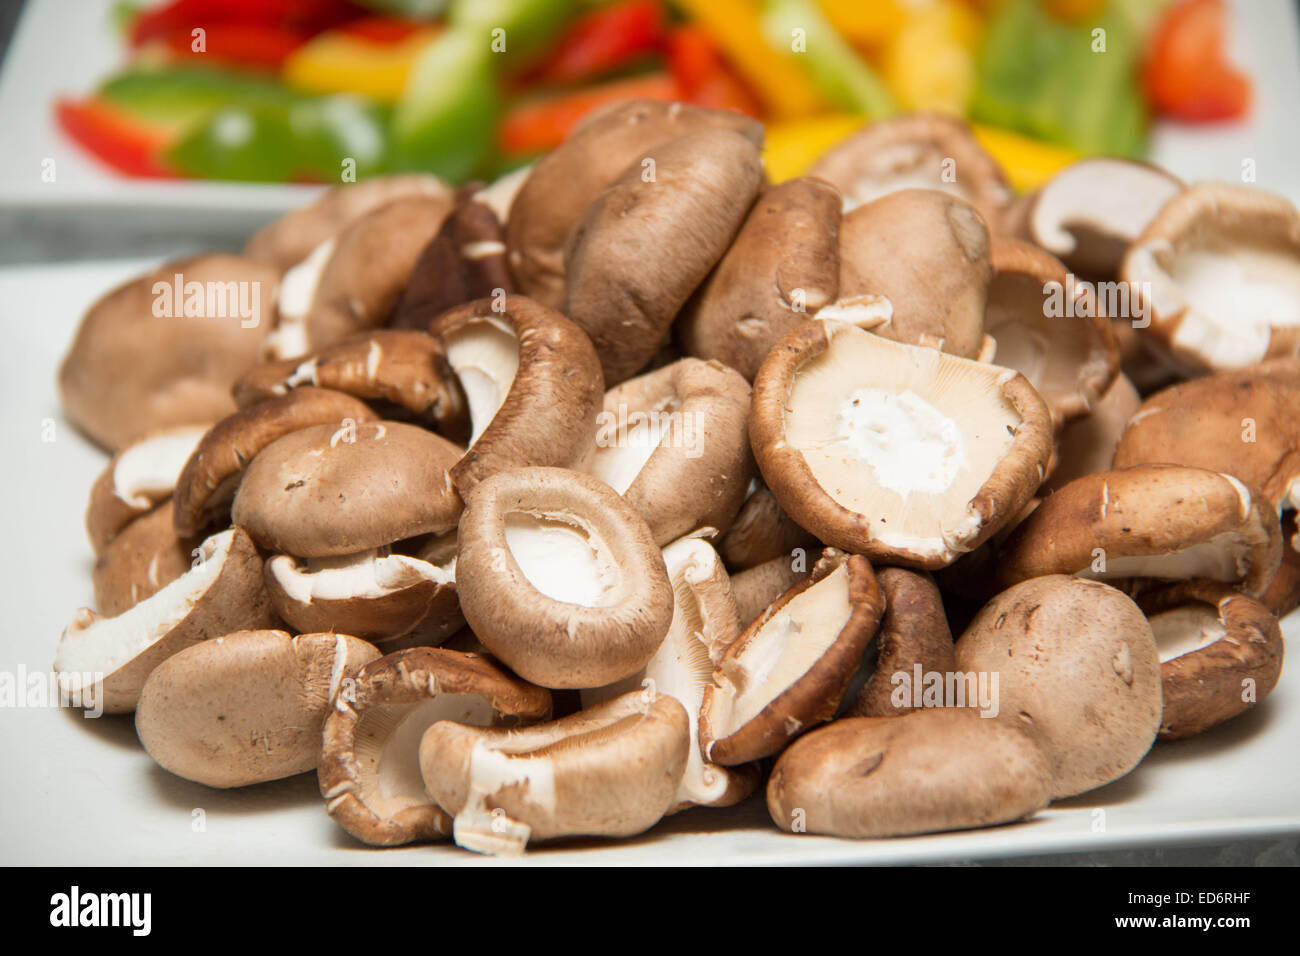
337,62
793,146
1028,162
930,62
864,23
784,89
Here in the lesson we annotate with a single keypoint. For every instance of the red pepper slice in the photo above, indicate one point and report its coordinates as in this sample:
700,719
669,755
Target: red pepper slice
115,138
247,44
604,40
1186,75
307,16
383,31
703,75
539,125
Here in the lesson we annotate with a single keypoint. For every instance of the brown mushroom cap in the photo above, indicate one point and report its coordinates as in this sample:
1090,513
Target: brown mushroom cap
612,770
137,479
926,150
1220,654
533,384
1244,423
927,254
406,369
112,656
1218,270
133,368
369,760
566,180
1283,593
361,284
961,456
682,426
647,242
705,623
790,668
464,262
207,483
560,578
1066,350
324,490
291,238
375,596
782,267
1077,668
141,561
247,707
762,532
1088,444
1088,213
913,634
933,770
1149,521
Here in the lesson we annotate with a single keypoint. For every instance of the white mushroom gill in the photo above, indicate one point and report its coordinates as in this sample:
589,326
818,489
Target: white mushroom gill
563,561
1185,629
484,353
1223,557
1118,198
368,574
296,293
781,652
864,311
388,742
148,470
906,441
623,450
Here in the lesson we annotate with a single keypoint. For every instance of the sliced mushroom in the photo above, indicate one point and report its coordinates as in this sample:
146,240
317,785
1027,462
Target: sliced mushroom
291,238
164,349
1244,423
1067,351
913,641
923,257
369,765
1077,668
374,595
756,588
464,262
533,383
1220,654
141,561
110,657
560,578
762,532
930,771
1218,270
207,483
1088,444
790,668
782,267
1088,213
407,370
613,770
902,453
139,478
705,623
648,241
247,707
1150,521
324,491
917,150
682,426
565,181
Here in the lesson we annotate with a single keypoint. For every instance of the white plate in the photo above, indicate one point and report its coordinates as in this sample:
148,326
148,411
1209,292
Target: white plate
79,791
51,57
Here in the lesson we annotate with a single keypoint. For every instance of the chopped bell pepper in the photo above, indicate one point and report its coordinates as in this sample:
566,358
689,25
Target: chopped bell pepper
256,45
784,87
302,16
340,61
602,41
865,23
703,76
1027,162
179,96
930,62
536,126
794,145
241,143
1186,75
114,137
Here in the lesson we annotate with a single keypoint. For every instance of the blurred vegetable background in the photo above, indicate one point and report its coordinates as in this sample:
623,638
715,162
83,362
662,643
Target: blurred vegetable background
310,90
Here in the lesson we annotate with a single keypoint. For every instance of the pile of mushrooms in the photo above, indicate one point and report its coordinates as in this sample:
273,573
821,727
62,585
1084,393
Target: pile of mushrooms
636,482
